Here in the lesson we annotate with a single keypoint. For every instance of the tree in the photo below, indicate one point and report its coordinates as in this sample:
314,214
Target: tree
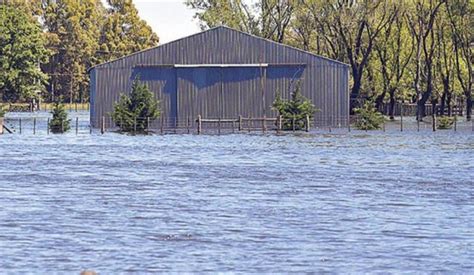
124,32
295,110
74,30
132,113
59,123
460,13
394,50
22,50
421,22
368,118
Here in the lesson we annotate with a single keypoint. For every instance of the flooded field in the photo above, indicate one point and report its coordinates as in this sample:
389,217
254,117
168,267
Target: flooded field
341,202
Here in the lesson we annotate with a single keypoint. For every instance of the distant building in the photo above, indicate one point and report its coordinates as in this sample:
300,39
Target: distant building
224,73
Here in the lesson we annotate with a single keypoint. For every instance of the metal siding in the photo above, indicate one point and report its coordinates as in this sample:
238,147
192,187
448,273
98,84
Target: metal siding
323,81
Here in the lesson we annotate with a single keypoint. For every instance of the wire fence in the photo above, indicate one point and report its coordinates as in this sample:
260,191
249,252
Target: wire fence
79,124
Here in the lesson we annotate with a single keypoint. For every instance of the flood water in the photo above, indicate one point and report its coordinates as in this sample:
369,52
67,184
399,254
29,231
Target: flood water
352,202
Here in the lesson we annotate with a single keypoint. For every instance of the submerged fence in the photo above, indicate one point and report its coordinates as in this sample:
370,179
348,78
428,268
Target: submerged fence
38,125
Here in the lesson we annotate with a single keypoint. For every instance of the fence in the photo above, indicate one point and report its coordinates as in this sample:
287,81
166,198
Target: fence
37,124
29,107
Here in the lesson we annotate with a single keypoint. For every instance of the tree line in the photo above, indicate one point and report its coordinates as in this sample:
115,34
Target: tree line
417,51
46,46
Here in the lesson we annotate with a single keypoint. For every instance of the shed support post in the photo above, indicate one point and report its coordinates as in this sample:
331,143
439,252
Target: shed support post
219,126
264,126
199,125
279,124
102,125
161,126
293,123
240,123
77,124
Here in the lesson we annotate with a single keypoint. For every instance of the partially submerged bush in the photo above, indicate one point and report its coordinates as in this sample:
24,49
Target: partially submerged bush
59,123
297,108
2,112
132,113
445,122
368,118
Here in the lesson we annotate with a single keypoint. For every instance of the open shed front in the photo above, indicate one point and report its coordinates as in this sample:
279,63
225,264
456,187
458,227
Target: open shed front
218,91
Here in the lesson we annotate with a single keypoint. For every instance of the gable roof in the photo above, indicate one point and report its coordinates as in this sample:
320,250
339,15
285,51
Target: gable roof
215,29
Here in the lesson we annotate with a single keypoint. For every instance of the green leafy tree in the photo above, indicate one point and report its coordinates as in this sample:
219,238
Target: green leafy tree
124,32
73,29
368,118
297,109
59,123
22,50
133,113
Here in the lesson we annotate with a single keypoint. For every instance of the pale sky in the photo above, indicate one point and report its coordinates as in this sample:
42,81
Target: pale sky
170,19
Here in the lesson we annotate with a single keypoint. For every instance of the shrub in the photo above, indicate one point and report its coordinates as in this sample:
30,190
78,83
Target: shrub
445,122
297,108
368,118
59,123
136,109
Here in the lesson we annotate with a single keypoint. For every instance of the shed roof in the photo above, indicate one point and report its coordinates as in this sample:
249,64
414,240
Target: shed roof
223,28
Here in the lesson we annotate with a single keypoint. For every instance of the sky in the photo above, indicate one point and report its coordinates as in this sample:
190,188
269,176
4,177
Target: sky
170,19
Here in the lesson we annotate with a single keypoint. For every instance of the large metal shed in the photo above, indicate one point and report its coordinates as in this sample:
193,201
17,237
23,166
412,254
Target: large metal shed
224,73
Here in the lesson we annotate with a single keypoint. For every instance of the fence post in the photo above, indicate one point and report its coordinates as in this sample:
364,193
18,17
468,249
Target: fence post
455,122
401,117
34,126
434,121
20,125
47,127
279,124
307,123
77,124
189,125
264,127
102,125
199,124
349,124
219,125
250,123
383,125
417,124
240,123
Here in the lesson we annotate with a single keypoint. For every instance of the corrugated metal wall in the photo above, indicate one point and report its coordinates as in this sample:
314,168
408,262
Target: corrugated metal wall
224,92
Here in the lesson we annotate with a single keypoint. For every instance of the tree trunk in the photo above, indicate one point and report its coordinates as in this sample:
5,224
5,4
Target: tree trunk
469,108
392,104
442,105
355,94
448,102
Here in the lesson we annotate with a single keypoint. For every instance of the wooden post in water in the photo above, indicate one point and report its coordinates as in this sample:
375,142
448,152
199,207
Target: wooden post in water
240,123
279,127
249,123
189,125
434,121
77,124
383,126
199,125
219,125
417,124
307,123
102,125
47,127
20,125
455,122
264,126
401,117
34,126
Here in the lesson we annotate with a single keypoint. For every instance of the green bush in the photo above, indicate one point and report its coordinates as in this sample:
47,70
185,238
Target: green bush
445,122
59,123
297,108
133,112
368,118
